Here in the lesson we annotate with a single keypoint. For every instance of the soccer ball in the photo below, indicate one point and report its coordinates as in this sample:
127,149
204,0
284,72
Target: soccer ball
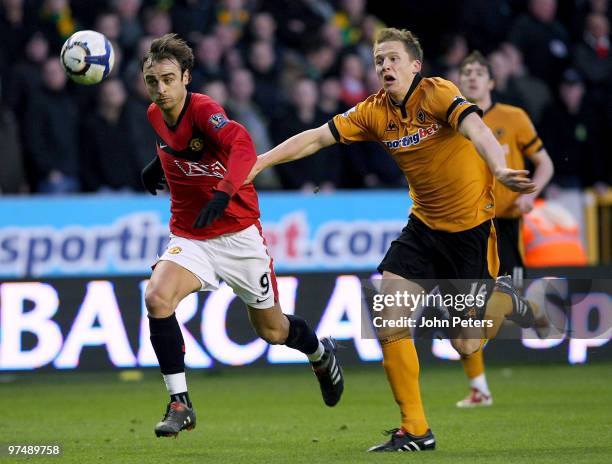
87,57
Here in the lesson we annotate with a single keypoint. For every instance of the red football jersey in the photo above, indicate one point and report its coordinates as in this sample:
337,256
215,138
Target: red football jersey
205,151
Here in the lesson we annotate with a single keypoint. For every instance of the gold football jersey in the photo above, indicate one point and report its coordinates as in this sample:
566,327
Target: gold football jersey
450,184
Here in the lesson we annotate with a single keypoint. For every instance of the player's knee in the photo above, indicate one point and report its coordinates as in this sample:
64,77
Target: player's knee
272,335
466,346
158,304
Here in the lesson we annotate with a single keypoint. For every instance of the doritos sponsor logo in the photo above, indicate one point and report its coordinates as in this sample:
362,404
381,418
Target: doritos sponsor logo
412,139
175,250
218,120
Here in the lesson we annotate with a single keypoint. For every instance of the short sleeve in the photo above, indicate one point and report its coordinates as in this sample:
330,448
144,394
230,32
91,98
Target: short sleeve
527,138
352,125
448,105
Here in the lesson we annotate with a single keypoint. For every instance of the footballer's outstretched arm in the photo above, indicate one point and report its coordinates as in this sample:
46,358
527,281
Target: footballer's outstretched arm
294,148
491,151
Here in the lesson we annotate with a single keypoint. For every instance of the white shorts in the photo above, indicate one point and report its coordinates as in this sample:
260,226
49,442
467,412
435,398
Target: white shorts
240,259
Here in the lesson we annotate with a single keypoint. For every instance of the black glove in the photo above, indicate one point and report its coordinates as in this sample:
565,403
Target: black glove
212,210
153,176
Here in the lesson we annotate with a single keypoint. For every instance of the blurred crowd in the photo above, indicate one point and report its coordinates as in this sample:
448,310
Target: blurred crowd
280,67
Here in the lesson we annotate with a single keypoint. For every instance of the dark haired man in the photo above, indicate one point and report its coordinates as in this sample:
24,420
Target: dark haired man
215,231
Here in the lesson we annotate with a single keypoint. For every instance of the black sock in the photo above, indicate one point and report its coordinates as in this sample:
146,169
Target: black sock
301,336
168,343
181,398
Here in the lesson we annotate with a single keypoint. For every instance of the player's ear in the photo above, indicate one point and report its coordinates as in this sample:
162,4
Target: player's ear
416,66
186,77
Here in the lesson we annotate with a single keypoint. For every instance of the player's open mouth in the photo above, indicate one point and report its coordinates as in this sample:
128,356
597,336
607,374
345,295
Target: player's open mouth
389,79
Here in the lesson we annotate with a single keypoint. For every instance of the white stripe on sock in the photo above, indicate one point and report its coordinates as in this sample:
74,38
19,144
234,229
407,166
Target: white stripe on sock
317,355
480,383
176,383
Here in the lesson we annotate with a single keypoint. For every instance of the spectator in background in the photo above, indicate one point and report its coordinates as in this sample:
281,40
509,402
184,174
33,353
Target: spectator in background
242,108
234,14
331,34
106,143
109,23
157,22
263,28
57,22
485,25
15,29
131,69
226,37
592,55
320,60
515,86
369,27
454,51
542,40
573,135
352,80
216,90
298,19
207,65
265,70
26,75
329,98
300,115
130,27
140,131
192,17
12,174
51,140
349,19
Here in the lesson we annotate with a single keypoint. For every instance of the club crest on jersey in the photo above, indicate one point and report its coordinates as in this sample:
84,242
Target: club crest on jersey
218,120
413,139
194,168
196,144
421,116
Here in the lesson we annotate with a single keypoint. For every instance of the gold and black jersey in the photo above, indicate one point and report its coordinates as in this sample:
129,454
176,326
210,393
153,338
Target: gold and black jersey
517,136
450,184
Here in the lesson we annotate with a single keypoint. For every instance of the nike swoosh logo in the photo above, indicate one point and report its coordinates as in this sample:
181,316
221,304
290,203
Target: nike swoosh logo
262,300
163,145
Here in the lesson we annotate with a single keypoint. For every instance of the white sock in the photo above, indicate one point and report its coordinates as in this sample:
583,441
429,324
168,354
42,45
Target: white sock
480,383
317,355
176,383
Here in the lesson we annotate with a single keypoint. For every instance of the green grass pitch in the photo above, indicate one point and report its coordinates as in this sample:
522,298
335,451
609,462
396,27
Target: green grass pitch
550,413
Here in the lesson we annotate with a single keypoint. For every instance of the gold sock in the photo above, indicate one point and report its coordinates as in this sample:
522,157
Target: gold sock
401,364
473,364
498,307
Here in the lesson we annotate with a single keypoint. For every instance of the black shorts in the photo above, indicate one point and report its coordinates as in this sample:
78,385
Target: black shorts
509,244
452,263
423,253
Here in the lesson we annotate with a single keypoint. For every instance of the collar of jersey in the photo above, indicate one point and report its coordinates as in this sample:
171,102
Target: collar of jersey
178,121
402,105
